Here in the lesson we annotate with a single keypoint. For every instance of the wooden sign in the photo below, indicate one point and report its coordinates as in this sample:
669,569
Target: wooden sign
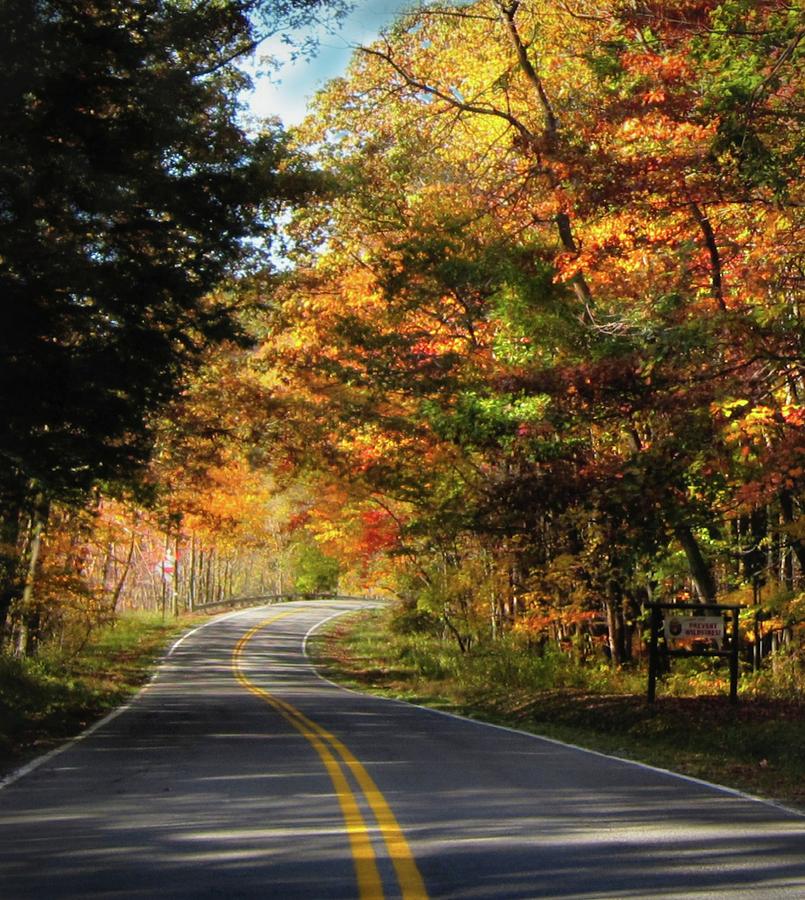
686,629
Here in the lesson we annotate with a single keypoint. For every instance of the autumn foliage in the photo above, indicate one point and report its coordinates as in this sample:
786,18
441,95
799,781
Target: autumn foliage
552,317
537,359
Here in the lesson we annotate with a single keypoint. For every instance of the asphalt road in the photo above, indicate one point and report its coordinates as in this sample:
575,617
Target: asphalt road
240,773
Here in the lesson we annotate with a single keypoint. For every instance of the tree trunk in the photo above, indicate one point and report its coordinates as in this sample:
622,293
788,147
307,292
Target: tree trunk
755,529
9,563
164,598
29,620
175,576
613,608
191,582
796,545
699,568
121,581
201,595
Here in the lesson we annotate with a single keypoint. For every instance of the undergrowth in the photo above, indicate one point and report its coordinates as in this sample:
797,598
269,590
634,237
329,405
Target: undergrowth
692,728
55,694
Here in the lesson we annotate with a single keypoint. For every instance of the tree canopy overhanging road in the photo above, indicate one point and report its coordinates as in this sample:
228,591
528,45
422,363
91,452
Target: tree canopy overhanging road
240,772
510,329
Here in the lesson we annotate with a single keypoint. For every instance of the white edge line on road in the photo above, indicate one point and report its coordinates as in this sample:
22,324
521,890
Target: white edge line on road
733,792
313,628
29,767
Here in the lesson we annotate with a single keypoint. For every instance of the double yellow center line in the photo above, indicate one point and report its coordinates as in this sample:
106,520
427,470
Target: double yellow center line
339,761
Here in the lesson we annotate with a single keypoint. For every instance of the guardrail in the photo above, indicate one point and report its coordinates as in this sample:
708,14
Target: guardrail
267,599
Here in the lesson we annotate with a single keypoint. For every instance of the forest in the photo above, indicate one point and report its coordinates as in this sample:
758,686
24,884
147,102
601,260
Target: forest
509,330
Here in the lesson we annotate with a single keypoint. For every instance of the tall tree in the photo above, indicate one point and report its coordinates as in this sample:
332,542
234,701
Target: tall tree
626,372
128,189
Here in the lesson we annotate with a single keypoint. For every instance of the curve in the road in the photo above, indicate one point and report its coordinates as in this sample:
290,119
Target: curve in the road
333,754
242,773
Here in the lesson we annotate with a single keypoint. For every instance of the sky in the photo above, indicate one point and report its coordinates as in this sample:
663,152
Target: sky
285,92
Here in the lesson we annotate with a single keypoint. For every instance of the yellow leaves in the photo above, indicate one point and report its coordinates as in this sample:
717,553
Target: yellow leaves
229,504
369,445
658,132
767,436
793,414
759,416
360,292
327,532
729,408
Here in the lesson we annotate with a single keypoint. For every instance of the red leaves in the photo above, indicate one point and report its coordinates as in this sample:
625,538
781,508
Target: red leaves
379,533
667,68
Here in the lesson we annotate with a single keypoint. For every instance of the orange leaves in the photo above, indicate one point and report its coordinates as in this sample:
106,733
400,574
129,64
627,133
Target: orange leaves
428,348
368,445
631,253
793,414
228,505
769,442
360,292
657,132
670,68
655,95
380,533
571,619
462,208
352,528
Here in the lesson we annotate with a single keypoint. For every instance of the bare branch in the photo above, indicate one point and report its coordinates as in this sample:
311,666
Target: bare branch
508,12
583,16
449,99
784,56
703,222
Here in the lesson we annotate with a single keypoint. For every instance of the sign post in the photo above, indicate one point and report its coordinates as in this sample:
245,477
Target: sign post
693,635
656,625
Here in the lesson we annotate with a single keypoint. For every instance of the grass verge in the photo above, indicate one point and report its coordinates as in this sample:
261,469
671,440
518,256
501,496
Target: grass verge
45,700
757,747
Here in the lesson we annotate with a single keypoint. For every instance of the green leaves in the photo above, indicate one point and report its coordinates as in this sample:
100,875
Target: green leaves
478,421
128,190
